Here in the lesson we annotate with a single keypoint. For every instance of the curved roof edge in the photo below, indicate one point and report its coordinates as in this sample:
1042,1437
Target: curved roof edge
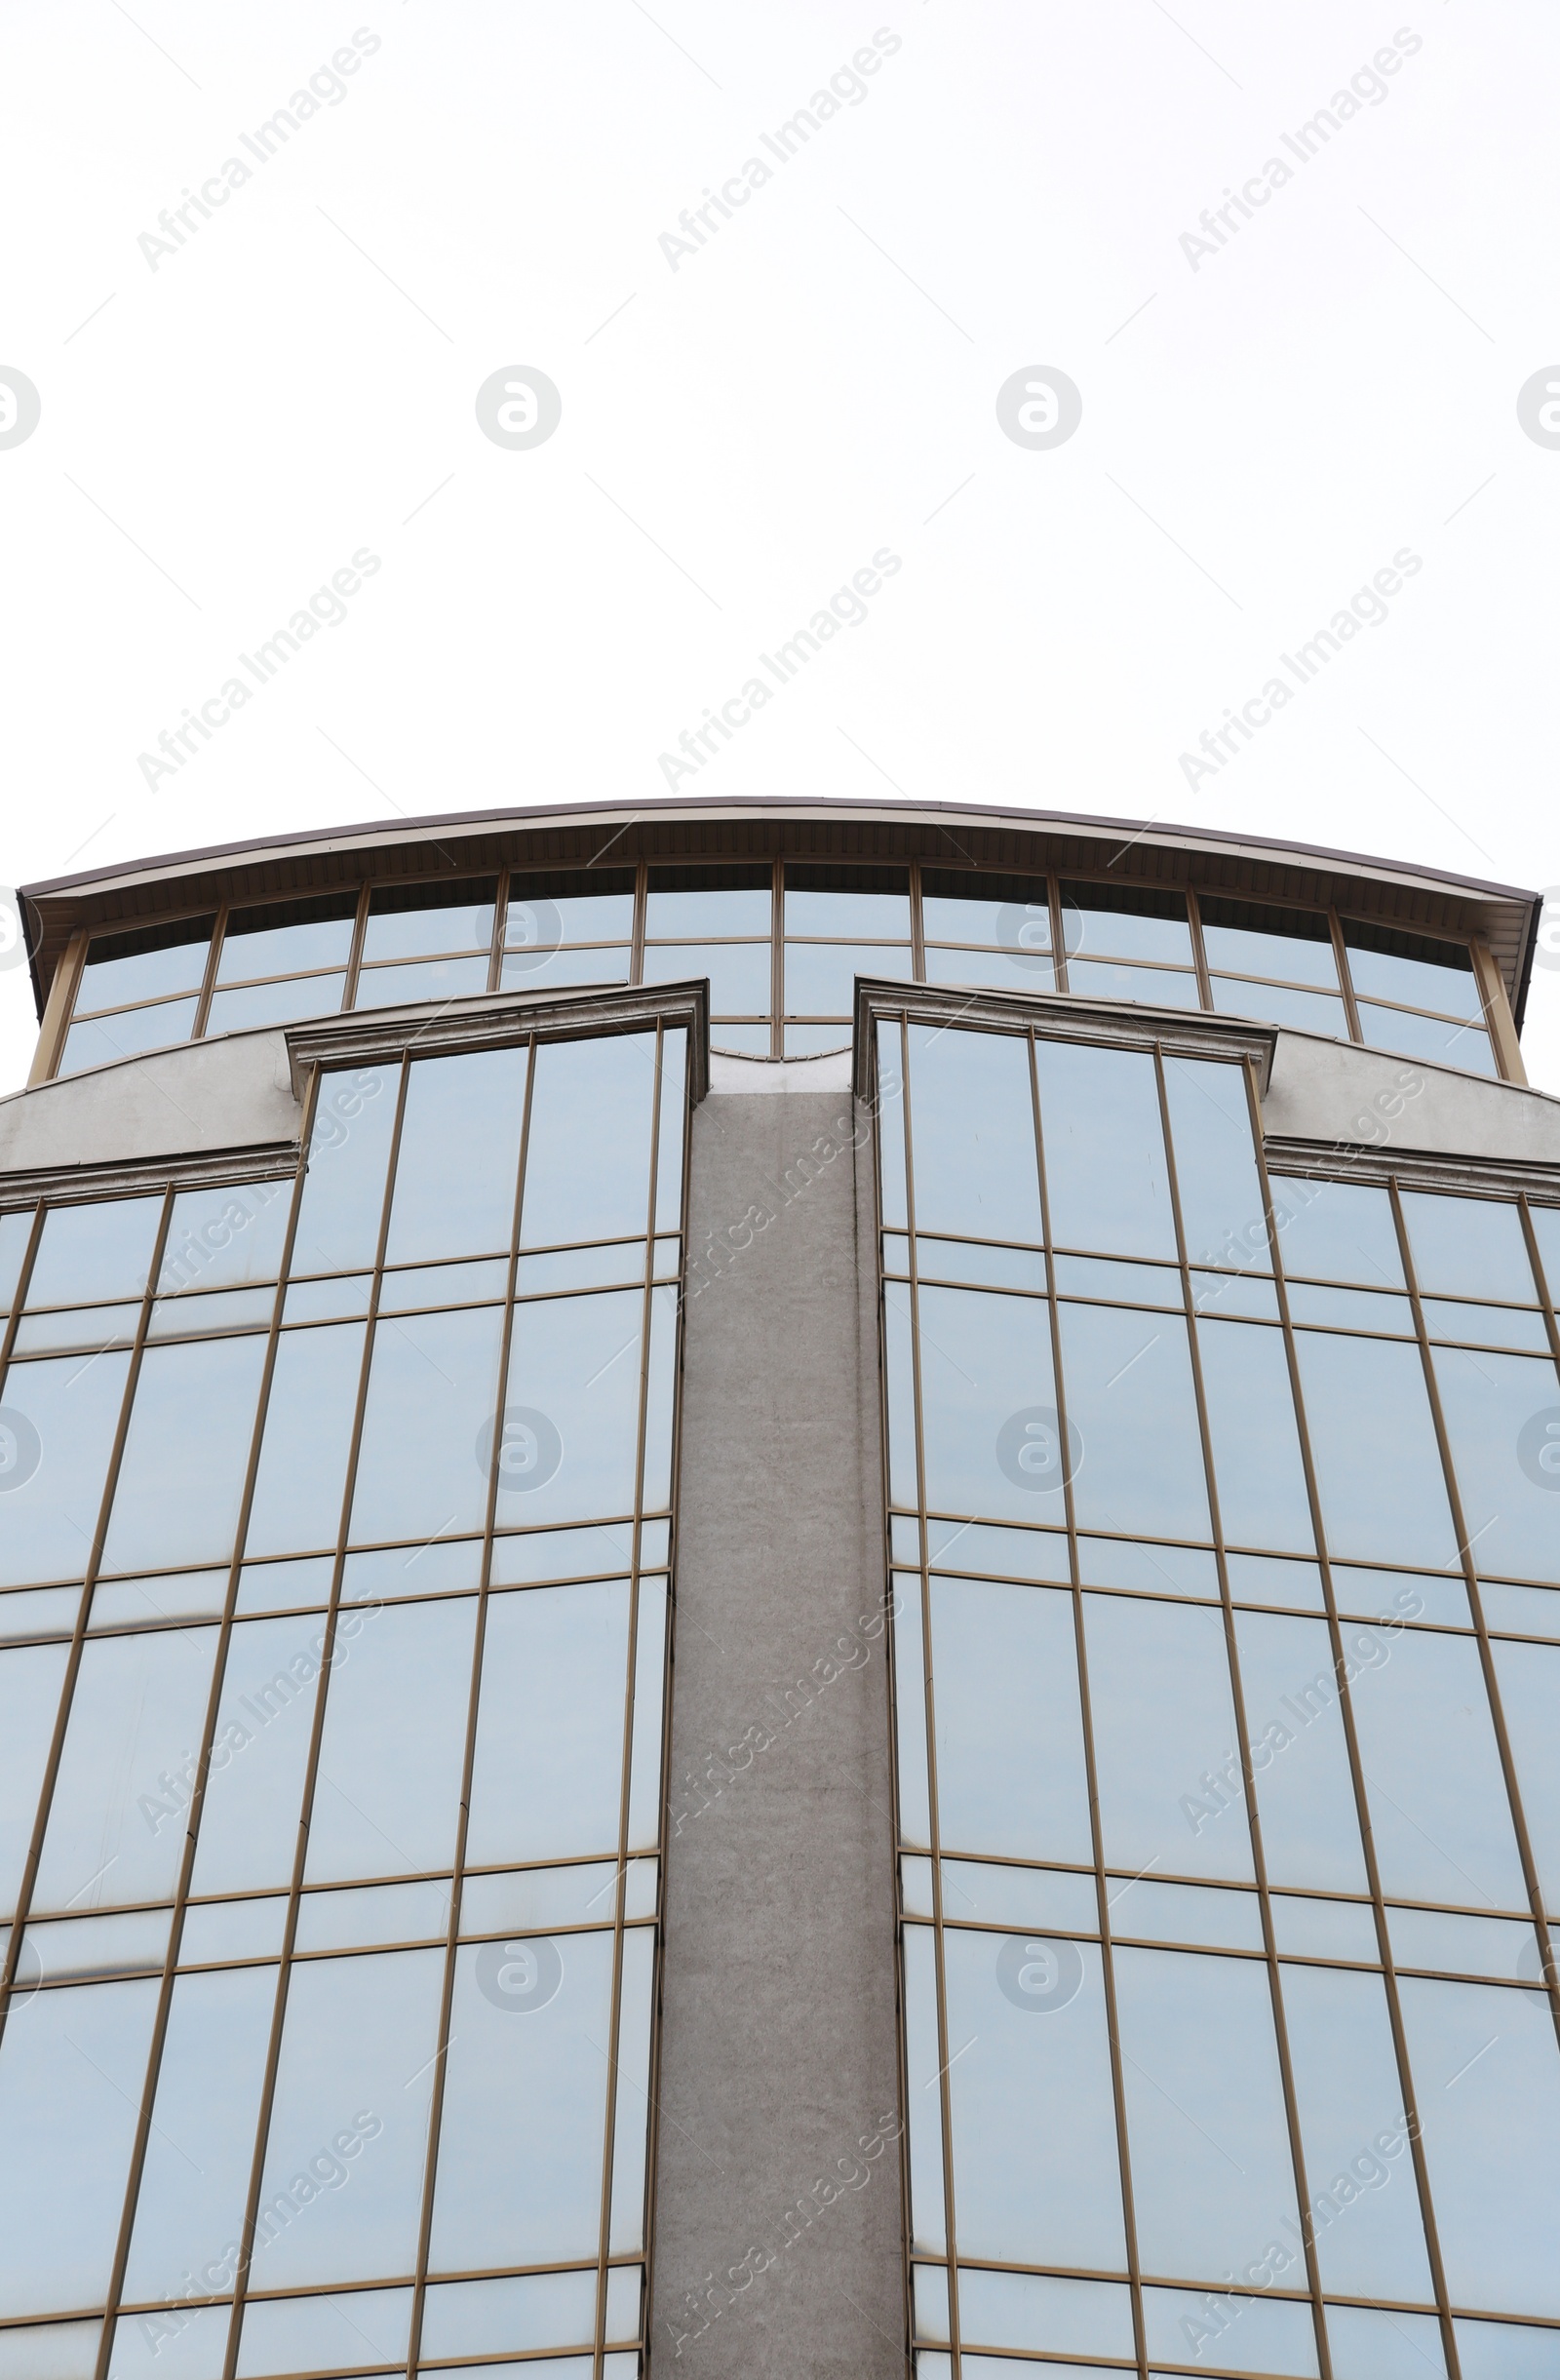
1157,830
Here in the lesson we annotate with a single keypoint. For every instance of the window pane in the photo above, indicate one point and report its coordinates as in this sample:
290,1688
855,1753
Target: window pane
1279,1005
1037,2069
845,901
1439,1812
1546,1231
973,1122
225,1239
343,1190
173,1504
1530,1696
432,1384
307,1438
540,918
1011,913
1098,979
1487,2081
555,968
1105,1151
821,976
1248,938
253,1006
1011,971
286,937
1469,1247
549,1755
71,2071
30,1679
254,1791
144,965
1256,1445
425,979
924,2110
59,1423
1223,1211
1413,968
1132,1415
1502,1416
1337,1232
1417,1036
92,1252
419,920
520,2147
1010,1774
116,1830
990,1426
697,900
1211,2170
671,1133
1163,1720
1370,2239
1305,1793
189,2213
474,1104
572,1405
1379,1472
125,1034
357,2063
587,1167
738,972
388,1791
1100,920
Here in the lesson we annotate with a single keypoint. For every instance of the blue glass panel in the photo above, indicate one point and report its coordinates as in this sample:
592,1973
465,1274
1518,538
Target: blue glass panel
1299,1756
1373,1439
1212,2176
1010,1774
571,1409
587,1166
1105,1151
1036,2070
455,1192
1257,1461
1164,1723
546,1781
181,1475
30,1679
972,1115
990,1422
307,1439
1502,1416
1469,1247
387,1794
1132,1417
1359,2168
1223,1212
1439,1812
1528,1677
1487,2085
1336,1231
225,1239
431,1388
344,1190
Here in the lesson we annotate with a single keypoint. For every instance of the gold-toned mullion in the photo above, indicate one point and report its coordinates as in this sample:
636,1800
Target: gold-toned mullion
495,956
1129,2218
777,960
54,1023
214,960
197,1800
1297,2148
316,1735
1058,951
1356,1764
359,929
917,930
928,1689
1345,979
663,1780
457,1872
1199,955
78,1638
626,1779
1470,1576
642,905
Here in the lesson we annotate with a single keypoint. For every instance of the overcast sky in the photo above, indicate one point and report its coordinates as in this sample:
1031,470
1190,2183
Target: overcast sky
1274,405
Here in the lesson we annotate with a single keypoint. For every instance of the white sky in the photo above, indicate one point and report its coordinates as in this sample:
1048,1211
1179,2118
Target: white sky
1259,436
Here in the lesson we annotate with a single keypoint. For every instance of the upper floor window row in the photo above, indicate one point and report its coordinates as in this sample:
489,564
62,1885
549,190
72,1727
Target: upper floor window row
781,944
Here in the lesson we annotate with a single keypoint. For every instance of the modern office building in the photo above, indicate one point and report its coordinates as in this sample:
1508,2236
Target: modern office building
781,1596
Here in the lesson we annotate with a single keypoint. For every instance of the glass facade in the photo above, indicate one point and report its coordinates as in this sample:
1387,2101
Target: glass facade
1222,1511
781,943
335,1517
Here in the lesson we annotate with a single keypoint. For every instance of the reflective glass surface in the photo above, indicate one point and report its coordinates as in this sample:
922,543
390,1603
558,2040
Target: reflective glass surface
381,2051
1253,1747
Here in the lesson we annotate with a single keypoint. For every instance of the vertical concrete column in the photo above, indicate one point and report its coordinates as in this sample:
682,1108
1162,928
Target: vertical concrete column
778,2238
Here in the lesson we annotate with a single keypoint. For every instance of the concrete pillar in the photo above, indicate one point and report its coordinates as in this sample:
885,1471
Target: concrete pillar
778,2183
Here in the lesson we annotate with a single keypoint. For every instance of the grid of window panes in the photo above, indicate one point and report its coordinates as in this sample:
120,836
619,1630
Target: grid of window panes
333,1597
1226,1663
781,944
